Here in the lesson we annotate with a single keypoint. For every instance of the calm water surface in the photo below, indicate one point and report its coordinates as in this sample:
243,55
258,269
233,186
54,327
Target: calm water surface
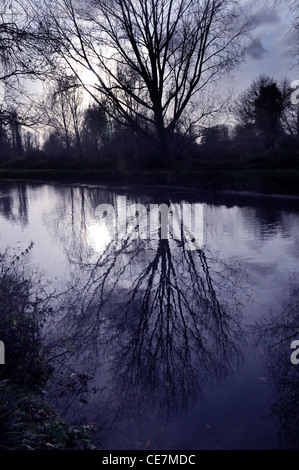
158,346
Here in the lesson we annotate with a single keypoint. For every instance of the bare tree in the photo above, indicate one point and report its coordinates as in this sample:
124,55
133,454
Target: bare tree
150,59
19,60
63,112
94,132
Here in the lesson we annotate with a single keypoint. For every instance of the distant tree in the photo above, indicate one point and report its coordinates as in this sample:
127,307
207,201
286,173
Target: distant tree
290,115
215,135
63,113
268,107
245,139
54,145
17,144
4,142
261,107
151,59
94,130
215,141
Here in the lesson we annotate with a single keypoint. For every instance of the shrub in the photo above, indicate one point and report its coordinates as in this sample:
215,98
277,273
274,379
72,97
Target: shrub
26,420
23,308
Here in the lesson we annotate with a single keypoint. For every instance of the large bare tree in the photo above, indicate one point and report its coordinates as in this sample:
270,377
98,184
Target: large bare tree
150,58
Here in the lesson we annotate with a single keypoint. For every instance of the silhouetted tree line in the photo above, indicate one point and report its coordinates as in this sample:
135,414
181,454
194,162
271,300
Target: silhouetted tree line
151,98
266,125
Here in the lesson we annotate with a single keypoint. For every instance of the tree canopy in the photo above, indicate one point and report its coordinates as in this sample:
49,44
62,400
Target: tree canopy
152,60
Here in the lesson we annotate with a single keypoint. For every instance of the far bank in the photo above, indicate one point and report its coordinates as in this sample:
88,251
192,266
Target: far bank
260,181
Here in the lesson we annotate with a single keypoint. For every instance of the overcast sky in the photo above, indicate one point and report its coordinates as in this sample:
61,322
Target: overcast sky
268,53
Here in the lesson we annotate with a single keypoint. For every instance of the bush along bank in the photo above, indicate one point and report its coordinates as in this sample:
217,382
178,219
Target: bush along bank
27,421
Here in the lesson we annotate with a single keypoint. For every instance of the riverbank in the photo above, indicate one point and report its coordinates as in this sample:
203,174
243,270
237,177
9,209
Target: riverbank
261,181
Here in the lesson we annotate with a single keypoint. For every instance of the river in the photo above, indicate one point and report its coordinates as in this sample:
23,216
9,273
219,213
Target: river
180,342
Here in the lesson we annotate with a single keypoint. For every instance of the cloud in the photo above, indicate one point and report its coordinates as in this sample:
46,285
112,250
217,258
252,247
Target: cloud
266,16
256,50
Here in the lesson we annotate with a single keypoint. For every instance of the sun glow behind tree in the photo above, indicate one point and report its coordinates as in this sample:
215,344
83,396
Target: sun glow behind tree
155,62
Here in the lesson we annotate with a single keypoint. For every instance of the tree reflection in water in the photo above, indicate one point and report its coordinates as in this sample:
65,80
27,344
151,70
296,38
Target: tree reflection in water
152,322
158,323
275,335
14,203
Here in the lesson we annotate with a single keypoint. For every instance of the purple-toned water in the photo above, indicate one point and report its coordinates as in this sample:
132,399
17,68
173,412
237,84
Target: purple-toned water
182,349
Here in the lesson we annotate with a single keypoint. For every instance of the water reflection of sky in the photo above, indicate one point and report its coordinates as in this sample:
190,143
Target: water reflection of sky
22,210
232,232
